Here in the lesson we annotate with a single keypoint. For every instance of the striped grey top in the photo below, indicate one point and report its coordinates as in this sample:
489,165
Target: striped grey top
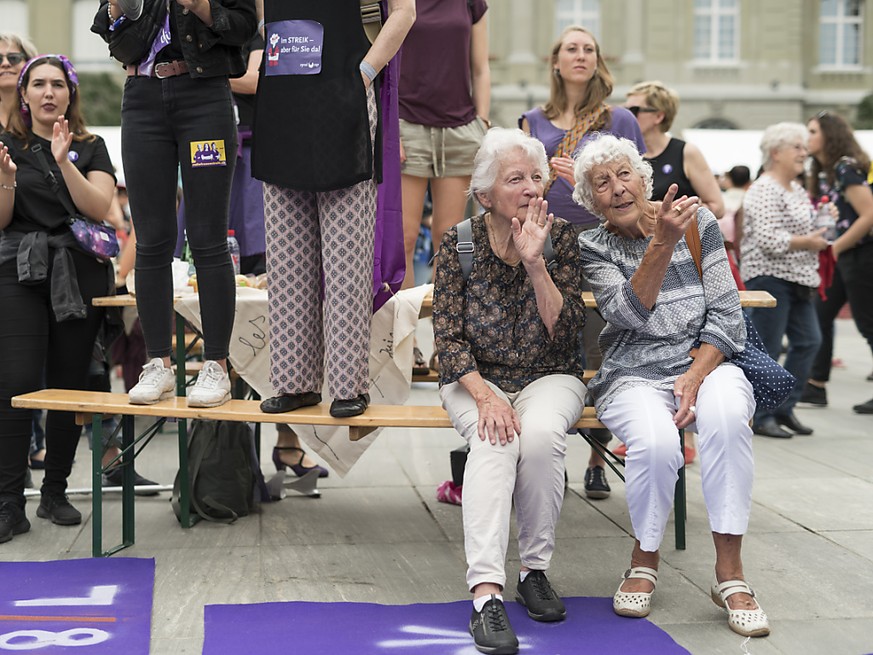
650,348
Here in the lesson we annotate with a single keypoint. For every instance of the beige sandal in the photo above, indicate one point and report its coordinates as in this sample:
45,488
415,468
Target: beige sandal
635,604
748,623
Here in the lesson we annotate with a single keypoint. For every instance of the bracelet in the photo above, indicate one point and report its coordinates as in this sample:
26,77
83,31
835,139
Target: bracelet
7,187
368,70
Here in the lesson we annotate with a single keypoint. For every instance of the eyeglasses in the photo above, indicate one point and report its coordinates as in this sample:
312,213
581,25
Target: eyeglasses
14,58
636,111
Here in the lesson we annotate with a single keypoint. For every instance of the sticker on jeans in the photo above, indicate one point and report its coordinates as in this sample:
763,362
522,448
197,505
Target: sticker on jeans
208,153
294,47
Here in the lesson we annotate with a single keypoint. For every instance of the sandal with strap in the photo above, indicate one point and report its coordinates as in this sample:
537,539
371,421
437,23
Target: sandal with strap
748,623
635,604
298,468
419,366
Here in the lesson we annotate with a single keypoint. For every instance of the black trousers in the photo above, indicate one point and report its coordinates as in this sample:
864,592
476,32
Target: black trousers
32,341
166,125
853,282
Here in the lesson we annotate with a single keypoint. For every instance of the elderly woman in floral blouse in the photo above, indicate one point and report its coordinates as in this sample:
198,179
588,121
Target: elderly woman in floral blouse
510,375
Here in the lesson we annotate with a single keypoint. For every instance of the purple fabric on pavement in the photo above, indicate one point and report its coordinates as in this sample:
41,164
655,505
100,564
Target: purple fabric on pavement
432,629
98,606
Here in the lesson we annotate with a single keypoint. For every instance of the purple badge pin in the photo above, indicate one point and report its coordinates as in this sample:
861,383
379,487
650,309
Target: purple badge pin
666,169
73,156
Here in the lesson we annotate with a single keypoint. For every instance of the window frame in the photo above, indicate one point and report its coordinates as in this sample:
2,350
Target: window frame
715,12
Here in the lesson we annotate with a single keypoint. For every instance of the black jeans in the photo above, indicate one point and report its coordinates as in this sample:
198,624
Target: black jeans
31,341
164,123
853,282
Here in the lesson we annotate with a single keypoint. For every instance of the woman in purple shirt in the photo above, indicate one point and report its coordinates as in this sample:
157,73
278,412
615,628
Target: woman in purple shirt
575,112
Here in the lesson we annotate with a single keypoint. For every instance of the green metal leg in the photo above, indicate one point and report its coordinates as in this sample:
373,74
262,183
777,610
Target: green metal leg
97,485
127,481
180,355
679,498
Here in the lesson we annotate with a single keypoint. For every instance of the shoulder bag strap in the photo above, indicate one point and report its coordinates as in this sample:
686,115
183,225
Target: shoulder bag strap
465,247
41,157
692,240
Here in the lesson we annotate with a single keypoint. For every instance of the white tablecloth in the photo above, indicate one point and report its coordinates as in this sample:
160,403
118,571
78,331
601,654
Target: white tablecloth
391,339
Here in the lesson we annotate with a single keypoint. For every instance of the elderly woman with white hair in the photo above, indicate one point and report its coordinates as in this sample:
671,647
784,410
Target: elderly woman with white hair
506,321
668,337
780,248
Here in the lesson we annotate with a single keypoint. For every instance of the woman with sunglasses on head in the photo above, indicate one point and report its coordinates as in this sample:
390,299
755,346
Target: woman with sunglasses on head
839,171
575,113
46,277
14,51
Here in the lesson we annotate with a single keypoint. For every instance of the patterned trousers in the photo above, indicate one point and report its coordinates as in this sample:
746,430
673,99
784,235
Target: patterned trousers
320,284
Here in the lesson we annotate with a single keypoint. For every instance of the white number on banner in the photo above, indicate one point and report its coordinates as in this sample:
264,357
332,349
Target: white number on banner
101,595
33,639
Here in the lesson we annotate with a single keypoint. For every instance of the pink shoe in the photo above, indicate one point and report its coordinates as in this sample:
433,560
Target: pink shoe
620,451
447,492
690,454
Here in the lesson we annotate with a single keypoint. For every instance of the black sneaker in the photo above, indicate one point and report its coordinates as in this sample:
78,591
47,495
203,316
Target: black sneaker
541,601
864,408
596,486
115,478
491,630
58,508
13,520
813,395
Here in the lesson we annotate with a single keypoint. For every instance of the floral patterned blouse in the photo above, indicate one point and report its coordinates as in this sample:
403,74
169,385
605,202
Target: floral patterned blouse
491,324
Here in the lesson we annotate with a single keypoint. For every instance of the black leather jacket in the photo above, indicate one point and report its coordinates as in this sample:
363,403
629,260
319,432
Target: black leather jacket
209,51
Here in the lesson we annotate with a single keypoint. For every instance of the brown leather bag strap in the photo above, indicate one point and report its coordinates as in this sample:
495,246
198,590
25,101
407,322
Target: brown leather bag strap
692,240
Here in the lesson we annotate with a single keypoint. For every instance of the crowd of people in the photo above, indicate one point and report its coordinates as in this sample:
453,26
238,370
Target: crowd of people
582,196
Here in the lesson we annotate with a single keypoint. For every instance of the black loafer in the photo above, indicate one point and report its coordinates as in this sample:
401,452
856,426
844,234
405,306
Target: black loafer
290,402
790,421
770,428
351,407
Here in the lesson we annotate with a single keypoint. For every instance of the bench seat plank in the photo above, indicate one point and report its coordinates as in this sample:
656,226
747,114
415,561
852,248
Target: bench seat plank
86,403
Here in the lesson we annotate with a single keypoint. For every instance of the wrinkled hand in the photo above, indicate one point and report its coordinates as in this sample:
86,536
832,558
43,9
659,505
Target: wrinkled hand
673,218
685,389
564,168
62,139
497,420
530,238
7,166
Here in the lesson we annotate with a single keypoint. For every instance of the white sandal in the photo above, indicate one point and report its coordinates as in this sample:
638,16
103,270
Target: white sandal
748,623
635,604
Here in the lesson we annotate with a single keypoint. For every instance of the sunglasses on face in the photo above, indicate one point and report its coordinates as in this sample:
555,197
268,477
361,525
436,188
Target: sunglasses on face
636,111
14,58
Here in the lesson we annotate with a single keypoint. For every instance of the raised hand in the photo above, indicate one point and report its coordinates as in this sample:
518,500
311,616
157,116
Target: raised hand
62,139
530,238
673,218
7,166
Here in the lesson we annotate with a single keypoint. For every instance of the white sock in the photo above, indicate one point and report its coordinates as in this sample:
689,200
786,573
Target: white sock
522,575
479,603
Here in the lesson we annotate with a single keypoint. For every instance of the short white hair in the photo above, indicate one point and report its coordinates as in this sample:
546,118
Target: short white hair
498,142
606,149
779,136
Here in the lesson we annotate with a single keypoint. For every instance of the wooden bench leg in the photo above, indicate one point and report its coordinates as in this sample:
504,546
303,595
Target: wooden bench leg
679,499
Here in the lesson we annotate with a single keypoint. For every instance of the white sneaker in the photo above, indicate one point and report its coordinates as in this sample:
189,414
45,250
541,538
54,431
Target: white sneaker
156,382
212,387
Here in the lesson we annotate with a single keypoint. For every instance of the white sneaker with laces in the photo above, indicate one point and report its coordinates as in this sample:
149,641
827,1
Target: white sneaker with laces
156,382
212,387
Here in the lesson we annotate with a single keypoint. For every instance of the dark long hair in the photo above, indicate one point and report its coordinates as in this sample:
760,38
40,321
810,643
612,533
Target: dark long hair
598,90
839,142
20,129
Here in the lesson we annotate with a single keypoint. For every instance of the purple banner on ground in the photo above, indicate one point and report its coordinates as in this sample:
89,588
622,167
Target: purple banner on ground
92,606
435,629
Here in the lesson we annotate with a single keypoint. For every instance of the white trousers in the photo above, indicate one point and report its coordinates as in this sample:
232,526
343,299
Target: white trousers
530,469
642,418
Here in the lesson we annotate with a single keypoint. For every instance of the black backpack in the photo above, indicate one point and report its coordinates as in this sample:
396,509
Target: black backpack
223,471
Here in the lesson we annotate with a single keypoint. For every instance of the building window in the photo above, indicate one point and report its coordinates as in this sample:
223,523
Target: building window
578,12
840,29
15,17
716,31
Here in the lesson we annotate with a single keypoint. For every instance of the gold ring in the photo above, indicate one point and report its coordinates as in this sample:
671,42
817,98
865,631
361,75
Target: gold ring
678,211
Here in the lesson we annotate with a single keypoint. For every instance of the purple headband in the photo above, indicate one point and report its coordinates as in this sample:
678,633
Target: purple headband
70,72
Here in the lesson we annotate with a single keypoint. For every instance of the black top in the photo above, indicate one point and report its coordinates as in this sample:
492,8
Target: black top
245,102
37,207
209,51
668,168
311,131
846,174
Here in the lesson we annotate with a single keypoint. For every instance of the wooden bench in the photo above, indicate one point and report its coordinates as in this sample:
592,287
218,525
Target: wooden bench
91,406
